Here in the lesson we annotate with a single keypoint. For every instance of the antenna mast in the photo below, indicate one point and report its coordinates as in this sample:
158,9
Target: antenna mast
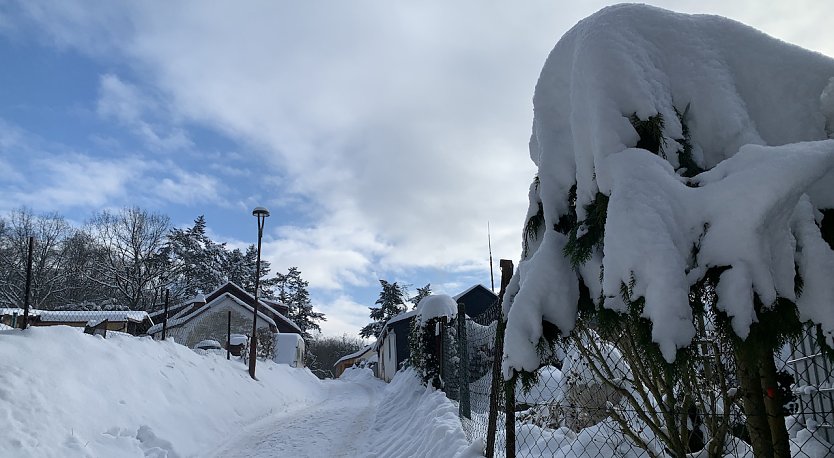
491,276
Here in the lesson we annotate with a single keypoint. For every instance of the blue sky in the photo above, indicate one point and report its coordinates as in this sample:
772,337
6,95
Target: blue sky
383,137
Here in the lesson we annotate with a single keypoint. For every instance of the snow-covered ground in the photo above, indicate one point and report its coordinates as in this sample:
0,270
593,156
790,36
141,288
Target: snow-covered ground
336,426
67,394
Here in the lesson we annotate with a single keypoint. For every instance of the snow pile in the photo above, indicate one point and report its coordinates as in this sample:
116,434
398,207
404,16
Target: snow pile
548,388
65,393
356,374
752,111
414,420
436,306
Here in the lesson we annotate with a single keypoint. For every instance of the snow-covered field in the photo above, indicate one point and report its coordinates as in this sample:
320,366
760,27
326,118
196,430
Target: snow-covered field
66,394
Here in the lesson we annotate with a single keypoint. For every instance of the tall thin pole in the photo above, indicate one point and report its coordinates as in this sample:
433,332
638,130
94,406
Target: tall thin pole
28,282
253,340
165,316
491,275
229,335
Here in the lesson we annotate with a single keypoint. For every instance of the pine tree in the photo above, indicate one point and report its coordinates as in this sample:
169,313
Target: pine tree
421,293
390,304
197,260
291,290
240,269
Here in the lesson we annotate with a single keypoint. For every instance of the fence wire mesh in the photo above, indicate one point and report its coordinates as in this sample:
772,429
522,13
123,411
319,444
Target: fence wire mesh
599,397
468,365
112,319
602,396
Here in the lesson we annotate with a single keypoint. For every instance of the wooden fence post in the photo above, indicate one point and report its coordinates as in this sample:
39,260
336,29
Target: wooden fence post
495,388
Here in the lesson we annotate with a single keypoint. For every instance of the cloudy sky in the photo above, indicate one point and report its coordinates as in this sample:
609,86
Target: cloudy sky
383,136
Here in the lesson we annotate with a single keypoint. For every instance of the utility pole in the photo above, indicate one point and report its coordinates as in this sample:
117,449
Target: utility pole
491,275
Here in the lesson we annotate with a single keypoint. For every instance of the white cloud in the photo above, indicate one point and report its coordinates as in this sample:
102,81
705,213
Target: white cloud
344,316
403,126
125,103
184,187
53,177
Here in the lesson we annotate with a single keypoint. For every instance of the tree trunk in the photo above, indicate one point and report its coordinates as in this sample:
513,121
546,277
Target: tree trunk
747,366
773,405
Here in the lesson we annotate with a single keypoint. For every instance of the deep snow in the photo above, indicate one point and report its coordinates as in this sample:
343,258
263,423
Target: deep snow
64,393
335,426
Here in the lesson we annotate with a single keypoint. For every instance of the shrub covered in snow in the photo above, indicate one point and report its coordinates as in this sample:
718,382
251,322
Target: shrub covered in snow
432,312
685,165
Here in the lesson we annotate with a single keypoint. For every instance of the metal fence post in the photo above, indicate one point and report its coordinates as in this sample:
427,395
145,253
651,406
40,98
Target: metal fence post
439,326
229,335
28,283
509,406
465,407
165,316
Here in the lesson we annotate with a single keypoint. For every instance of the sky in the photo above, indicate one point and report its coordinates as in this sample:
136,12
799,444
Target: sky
384,137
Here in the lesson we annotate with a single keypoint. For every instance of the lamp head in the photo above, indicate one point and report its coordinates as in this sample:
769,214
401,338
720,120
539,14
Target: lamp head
260,212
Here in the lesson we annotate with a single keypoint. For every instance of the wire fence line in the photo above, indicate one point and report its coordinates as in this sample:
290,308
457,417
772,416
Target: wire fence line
597,395
469,353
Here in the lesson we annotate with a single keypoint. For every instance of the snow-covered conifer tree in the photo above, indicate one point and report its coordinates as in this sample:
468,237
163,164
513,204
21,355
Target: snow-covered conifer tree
291,290
679,158
390,304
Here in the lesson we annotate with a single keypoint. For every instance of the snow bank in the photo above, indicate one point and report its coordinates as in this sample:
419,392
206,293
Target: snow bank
436,306
414,420
65,393
357,374
753,111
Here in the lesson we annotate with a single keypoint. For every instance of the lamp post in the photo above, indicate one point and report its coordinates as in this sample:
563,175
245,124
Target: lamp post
261,214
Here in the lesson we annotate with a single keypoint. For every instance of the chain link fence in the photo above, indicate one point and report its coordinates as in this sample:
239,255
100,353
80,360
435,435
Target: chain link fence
603,397
468,372
130,322
598,394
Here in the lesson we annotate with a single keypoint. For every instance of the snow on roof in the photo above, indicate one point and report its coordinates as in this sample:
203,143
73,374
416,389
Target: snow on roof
261,303
735,90
14,310
77,316
401,316
436,306
355,354
468,290
71,316
177,320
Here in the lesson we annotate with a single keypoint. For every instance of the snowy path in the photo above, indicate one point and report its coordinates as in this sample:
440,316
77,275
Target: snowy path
331,428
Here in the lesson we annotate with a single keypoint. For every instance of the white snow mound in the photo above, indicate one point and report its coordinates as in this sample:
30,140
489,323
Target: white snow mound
436,306
65,393
759,116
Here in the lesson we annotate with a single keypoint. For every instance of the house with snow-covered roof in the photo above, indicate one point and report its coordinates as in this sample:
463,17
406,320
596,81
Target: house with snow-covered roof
365,354
206,317
133,322
392,344
477,298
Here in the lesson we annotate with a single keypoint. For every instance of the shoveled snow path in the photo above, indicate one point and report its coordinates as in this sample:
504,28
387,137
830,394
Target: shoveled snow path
333,428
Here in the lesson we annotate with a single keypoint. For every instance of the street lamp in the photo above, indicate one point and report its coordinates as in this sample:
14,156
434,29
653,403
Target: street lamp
261,213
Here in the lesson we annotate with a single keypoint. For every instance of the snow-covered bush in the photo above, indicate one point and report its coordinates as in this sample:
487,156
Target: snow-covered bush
685,167
433,311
